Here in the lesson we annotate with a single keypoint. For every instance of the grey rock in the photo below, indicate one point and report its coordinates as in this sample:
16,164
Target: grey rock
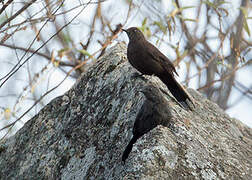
82,134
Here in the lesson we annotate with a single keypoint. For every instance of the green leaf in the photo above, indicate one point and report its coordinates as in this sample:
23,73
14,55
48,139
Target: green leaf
186,7
84,52
144,22
141,28
160,26
62,52
210,4
245,26
148,32
187,19
144,26
66,38
244,11
219,62
222,2
215,5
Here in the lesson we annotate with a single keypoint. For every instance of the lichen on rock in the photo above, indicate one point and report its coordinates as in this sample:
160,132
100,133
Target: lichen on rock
82,134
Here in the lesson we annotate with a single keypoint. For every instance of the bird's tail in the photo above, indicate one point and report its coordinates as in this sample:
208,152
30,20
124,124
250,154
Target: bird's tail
176,89
129,148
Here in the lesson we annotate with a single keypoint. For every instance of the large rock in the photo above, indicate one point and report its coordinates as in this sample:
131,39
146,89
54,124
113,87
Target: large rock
82,134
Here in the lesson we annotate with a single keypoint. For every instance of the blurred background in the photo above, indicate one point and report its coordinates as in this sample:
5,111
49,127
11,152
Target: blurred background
46,45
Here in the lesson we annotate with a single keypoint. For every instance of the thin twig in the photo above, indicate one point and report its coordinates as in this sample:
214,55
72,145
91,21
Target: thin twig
37,101
17,13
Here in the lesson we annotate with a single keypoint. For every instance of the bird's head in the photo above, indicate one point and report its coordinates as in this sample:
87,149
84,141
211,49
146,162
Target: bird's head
151,93
134,33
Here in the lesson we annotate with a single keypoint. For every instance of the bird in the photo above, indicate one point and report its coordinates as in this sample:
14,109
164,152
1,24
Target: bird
148,60
154,111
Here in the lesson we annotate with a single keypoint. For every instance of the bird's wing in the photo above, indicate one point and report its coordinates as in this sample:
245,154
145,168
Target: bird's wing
145,120
161,58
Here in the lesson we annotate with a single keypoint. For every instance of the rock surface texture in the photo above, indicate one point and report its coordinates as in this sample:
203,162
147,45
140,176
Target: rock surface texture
82,134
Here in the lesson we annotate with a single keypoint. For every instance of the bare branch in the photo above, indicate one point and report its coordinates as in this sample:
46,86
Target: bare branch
17,13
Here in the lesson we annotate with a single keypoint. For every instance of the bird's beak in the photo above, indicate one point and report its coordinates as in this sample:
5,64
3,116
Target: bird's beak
124,30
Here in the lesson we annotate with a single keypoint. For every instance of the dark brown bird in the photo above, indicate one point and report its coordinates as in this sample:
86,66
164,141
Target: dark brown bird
154,111
147,59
